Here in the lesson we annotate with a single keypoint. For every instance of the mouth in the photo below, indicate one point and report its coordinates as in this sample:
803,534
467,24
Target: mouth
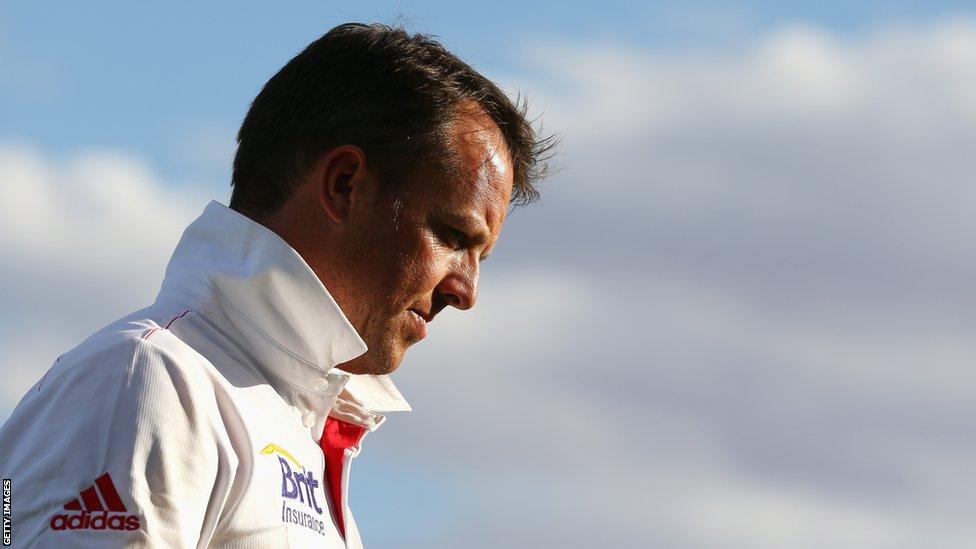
419,323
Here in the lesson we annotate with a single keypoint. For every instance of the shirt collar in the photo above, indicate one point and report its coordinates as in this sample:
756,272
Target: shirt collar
264,296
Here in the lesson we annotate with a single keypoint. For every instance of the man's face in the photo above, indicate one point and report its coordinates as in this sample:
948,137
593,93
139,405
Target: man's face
414,249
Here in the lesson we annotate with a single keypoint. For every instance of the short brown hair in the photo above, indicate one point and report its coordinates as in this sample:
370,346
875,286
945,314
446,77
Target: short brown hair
391,93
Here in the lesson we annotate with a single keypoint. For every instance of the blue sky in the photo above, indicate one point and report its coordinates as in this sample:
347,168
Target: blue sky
741,315
155,80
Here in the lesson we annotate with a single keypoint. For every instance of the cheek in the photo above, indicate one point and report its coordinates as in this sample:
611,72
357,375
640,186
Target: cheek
408,265
423,267
426,264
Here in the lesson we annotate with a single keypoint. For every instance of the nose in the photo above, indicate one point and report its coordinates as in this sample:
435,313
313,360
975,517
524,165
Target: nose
459,288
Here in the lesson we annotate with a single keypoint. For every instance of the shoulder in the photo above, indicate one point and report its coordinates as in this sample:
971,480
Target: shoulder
132,366
117,397
142,409
116,353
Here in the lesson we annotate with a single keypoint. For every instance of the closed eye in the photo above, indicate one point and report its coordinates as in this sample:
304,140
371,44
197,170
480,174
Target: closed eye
454,238
459,239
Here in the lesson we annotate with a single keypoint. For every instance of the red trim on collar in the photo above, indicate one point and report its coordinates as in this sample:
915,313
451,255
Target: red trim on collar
337,437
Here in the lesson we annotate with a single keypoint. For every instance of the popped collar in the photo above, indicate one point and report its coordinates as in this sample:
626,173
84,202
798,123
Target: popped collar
248,283
215,417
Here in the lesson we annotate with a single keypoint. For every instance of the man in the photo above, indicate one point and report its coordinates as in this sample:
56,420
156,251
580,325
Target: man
373,174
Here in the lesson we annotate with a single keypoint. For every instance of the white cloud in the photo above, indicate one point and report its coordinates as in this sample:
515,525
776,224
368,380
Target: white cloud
768,338
84,239
687,417
794,164
97,210
794,74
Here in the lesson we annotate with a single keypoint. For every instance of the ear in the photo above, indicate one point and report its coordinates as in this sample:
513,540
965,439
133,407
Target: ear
340,178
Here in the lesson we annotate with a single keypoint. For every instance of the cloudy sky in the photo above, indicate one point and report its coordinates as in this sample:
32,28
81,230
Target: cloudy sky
741,315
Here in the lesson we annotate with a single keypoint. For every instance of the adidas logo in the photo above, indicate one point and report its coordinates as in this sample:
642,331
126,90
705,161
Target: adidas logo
98,509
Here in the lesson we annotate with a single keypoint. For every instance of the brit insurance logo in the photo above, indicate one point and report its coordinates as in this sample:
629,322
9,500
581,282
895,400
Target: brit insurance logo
97,507
297,491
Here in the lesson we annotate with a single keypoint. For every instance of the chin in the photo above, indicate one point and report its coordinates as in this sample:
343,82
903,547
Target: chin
374,363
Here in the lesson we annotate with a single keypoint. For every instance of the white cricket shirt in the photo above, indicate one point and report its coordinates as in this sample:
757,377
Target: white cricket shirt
214,417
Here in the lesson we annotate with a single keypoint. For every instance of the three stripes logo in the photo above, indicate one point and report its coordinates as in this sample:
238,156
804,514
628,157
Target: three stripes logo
99,508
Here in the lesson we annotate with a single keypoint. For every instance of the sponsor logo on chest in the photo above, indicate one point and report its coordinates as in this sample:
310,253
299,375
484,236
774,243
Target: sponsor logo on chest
299,505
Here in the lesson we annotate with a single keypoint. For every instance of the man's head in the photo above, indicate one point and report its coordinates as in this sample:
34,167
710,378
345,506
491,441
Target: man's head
389,165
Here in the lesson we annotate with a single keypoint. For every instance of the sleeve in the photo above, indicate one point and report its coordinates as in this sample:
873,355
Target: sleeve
146,464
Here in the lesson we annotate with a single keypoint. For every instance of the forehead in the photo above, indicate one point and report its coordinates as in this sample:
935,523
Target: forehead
481,183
